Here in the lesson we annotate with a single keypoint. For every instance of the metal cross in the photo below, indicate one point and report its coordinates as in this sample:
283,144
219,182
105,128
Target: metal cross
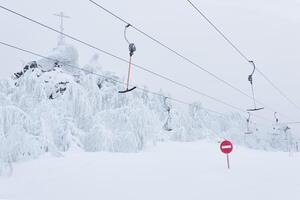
62,17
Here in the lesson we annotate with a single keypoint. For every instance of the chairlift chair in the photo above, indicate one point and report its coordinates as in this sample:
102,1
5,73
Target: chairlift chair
250,79
248,132
168,109
275,128
285,130
132,49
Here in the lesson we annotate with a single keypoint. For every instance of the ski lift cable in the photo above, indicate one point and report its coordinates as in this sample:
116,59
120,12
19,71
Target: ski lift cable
99,75
243,55
93,73
119,58
124,60
170,49
117,81
84,70
291,122
278,90
184,57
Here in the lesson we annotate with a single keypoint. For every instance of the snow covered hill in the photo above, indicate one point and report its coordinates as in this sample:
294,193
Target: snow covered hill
50,106
176,171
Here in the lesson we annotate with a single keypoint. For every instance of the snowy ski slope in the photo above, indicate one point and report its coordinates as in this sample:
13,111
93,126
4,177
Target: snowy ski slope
172,170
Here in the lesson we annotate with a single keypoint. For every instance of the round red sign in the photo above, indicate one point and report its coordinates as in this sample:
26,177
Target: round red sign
226,147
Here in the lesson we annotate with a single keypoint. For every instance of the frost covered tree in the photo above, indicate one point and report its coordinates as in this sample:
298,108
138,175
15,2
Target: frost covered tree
51,107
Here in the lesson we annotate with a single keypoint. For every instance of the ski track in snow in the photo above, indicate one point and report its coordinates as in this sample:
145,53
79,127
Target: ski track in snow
170,170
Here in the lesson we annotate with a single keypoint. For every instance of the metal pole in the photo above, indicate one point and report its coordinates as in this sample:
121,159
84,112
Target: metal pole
228,165
128,75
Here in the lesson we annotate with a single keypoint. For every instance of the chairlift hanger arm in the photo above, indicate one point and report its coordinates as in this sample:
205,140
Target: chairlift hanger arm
132,47
254,67
125,33
250,77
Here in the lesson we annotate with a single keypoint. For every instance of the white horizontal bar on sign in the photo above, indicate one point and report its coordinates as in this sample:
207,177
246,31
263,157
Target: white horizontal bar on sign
226,147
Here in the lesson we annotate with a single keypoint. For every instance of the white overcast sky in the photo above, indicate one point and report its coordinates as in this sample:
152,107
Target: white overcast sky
266,31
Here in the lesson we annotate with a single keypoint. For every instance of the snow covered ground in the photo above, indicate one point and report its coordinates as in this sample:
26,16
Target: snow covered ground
171,170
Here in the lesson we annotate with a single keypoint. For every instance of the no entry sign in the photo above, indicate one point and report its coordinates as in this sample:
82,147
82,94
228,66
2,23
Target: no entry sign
226,147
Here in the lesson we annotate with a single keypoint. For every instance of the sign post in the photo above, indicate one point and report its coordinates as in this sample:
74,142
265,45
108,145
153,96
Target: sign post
226,147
